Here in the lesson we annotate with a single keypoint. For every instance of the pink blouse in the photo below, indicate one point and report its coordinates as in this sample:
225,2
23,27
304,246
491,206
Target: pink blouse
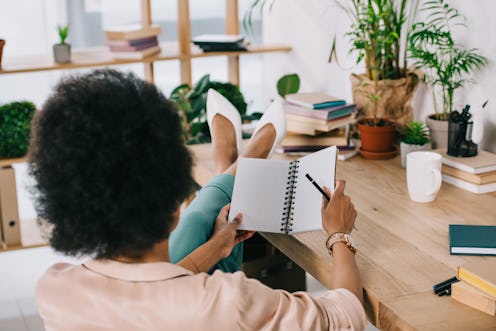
110,295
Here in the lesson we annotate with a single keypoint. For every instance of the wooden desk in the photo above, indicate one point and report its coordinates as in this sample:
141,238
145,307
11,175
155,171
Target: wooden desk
403,245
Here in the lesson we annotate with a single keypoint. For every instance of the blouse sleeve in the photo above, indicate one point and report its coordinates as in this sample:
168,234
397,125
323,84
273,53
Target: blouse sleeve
262,308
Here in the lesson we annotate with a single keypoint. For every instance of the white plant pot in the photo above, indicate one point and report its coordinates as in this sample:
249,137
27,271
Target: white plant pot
407,148
438,132
62,53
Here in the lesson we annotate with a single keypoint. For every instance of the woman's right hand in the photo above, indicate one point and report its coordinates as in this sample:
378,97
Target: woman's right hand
338,214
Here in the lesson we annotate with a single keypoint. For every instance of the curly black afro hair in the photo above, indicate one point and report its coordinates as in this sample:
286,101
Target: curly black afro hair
110,164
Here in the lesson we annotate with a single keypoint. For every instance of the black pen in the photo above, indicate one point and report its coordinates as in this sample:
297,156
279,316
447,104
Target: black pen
318,187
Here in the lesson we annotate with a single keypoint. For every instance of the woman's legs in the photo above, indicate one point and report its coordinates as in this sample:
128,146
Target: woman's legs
197,221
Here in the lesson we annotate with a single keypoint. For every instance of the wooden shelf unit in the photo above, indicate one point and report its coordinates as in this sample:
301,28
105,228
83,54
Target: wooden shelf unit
180,50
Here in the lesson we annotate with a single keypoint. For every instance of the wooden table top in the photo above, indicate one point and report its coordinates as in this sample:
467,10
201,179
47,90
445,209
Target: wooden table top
403,246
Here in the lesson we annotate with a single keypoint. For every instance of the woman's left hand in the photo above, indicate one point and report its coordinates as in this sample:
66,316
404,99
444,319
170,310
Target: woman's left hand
226,234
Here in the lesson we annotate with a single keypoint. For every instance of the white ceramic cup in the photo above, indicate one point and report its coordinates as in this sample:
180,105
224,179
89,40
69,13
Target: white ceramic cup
423,175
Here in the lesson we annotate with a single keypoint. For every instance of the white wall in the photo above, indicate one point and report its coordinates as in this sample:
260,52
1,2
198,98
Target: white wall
309,26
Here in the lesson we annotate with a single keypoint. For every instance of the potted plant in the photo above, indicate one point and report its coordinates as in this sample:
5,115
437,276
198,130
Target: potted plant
15,121
191,102
383,94
445,63
62,50
414,137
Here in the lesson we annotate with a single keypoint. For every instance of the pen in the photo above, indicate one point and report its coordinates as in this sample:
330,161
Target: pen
318,187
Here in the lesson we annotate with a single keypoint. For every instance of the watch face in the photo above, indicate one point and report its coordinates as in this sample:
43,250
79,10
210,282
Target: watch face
351,240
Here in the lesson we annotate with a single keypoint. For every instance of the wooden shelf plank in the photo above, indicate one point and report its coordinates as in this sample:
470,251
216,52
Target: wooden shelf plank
91,57
11,248
252,49
9,162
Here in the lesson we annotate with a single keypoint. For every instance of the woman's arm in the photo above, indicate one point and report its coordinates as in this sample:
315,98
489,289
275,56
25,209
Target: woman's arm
338,215
219,246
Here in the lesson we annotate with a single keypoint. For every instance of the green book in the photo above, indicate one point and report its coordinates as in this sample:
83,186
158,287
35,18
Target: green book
472,239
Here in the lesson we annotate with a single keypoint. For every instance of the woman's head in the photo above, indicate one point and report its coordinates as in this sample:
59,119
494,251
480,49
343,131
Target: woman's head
110,165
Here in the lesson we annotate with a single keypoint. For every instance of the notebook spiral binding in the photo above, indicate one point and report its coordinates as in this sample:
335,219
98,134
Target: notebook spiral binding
288,210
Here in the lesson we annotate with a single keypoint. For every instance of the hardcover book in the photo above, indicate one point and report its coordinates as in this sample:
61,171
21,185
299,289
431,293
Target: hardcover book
314,100
328,113
334,137
478,179
472,239
481,163
474,188
275,196
312,126
137,54
133,31
480,274
472,296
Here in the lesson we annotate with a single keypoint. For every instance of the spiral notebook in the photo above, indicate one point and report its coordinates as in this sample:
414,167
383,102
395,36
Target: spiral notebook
275,196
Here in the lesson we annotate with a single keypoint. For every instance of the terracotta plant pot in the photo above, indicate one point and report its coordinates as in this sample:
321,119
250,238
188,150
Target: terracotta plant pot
394,97
438,131
2,43
377,141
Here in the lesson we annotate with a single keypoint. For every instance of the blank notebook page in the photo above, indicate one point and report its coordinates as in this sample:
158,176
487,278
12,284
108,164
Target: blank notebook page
321,166
262,205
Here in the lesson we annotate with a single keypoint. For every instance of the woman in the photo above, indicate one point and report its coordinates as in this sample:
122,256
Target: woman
111,171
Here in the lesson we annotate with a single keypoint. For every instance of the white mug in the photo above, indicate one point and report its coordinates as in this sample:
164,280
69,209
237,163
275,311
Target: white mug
423,175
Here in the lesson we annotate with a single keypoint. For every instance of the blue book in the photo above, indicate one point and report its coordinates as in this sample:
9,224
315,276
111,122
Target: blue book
472,239
327,113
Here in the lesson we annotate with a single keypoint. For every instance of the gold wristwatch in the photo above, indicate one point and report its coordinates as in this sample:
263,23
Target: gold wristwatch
341,237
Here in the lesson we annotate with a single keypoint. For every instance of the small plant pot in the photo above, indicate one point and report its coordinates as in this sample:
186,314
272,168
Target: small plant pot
377,141
408,148
438,132
2,43
62,53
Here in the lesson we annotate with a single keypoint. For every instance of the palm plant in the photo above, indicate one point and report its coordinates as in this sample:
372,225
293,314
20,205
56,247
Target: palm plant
445,63
378,34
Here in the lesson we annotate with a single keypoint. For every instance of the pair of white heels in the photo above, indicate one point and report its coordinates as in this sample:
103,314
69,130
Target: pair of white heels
218,104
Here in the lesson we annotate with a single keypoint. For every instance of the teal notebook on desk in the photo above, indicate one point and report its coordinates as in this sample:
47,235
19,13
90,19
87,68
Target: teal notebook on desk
472,239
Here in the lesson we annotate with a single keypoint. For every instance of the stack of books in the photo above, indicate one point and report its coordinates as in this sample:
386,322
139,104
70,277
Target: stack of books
313,113
133,41
477,286
476,174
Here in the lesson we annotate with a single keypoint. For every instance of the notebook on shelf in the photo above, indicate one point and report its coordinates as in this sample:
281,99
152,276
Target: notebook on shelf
314,100
274,195
472,239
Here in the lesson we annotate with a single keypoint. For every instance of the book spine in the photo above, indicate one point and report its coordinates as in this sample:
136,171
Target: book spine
288,211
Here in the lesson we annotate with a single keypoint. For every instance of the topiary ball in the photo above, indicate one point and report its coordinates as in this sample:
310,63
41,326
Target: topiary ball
15,122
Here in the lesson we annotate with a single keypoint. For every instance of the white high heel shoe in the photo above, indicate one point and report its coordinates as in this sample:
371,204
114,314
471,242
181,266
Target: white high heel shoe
274,115
218,104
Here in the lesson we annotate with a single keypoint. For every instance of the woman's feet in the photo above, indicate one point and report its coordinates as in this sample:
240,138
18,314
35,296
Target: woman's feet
224,123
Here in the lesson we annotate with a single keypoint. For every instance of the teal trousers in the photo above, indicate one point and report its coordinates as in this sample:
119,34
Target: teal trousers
197,221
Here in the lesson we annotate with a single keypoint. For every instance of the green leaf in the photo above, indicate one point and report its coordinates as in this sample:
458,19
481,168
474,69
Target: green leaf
288,84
